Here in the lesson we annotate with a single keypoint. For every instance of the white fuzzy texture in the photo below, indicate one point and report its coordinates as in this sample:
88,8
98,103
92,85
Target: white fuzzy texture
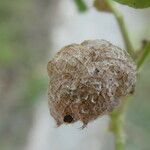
88,80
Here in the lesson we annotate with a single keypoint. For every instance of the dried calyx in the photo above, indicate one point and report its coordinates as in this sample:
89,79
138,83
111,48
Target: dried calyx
88,80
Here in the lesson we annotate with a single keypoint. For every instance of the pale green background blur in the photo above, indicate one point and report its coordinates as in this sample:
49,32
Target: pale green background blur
23,48
27,42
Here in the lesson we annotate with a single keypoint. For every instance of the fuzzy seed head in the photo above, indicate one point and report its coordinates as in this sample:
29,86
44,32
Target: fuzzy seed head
88,80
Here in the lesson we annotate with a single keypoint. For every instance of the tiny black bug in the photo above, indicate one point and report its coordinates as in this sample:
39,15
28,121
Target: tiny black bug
68,119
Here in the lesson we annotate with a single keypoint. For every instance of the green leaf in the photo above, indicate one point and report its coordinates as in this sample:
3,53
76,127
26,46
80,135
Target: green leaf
135,3
81,5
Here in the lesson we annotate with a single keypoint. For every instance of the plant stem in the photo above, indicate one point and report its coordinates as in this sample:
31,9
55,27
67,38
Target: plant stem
116,126
122,27
117,117
146,51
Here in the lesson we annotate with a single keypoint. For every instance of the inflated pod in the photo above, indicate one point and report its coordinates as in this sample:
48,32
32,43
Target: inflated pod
88,80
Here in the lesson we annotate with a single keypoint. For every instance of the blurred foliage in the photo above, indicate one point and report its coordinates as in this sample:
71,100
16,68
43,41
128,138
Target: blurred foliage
135,3
138,115
23,48
81,5
35,87
101,5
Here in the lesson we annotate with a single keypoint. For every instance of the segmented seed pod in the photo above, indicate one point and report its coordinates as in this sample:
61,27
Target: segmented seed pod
88,80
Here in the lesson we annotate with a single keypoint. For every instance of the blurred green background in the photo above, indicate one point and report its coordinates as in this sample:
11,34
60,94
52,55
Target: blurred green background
24,45
24,49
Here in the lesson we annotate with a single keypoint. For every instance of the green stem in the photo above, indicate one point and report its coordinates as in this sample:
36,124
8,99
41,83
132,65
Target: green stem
117,117
122,27
116,126
146,51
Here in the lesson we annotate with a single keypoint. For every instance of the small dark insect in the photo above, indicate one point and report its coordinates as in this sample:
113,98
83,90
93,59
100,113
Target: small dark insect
88,80
68,119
